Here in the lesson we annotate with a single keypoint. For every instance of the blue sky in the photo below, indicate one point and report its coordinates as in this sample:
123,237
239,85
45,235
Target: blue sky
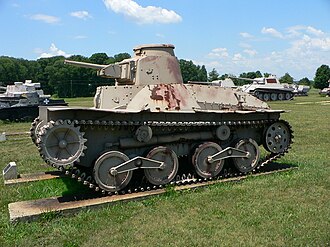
232,36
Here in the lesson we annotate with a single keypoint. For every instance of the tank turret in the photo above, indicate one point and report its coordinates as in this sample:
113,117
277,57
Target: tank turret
151,64
151,122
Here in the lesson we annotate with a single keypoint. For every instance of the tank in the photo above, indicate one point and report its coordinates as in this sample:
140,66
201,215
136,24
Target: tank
300,90
267,88
21,100
325,91
150,127
222,83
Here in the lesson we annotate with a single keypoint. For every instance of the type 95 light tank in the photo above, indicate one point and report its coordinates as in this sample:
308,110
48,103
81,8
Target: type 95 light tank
150,125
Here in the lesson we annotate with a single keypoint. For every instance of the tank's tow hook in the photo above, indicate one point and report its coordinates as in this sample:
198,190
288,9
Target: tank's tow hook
136,163
228,152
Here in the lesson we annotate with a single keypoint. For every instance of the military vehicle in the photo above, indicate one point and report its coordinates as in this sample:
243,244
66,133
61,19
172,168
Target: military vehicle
21,100
222,83
267,88
141,129
2,89
325,91
300,90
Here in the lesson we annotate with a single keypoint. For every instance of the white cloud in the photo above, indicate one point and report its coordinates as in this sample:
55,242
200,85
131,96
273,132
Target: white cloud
314,31
82,14
272,31
299,30
238,57
80,37
45,18
218,53
251,52
142,15
306,48
246,35
306,43
53,51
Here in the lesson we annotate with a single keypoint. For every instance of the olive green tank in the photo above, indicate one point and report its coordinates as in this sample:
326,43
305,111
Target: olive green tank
150,126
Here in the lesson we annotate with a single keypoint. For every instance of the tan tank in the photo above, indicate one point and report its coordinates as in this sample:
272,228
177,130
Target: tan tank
150,126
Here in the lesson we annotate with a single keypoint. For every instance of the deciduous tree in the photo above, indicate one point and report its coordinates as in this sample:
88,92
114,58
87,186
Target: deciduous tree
322,77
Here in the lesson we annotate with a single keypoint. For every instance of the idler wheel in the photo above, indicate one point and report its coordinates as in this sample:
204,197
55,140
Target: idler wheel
277,137
106,176
61,143
247,164
166,173
203,167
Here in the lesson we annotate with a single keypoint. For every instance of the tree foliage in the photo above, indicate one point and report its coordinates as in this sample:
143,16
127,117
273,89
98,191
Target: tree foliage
322,77
213,75
251,75
304,81
192,72
247,75
287,78
55,77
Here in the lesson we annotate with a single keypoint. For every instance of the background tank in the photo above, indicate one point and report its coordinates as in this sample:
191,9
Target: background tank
268,88
222,83
325,91
300,90
150,126
21,101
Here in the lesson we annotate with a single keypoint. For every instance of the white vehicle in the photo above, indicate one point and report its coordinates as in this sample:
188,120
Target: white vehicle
21,100
268,88
300,90
325,91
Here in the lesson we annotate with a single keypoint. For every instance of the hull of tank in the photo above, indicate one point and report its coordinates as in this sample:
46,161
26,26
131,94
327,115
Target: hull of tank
108,130
270,93
325,92
25,112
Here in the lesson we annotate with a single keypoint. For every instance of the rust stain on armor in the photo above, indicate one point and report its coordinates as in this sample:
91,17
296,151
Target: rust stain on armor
172,97
155,95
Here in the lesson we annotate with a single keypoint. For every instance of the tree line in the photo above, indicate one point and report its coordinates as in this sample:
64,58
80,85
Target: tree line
62,80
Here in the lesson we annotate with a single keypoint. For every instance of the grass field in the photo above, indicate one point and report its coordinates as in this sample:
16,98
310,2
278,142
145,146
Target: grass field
285,209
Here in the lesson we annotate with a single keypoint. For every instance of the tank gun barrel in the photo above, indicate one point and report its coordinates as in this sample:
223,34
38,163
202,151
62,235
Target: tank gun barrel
109,71
241,78
85,65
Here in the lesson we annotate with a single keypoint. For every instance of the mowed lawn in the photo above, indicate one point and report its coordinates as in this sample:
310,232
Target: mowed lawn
284,209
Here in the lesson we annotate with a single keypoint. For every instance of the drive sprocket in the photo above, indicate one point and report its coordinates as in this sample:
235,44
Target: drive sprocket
61,143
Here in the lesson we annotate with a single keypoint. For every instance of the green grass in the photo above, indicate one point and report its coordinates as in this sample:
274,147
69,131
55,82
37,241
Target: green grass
285,209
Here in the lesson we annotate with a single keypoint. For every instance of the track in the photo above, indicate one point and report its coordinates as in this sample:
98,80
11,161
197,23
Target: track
31,210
